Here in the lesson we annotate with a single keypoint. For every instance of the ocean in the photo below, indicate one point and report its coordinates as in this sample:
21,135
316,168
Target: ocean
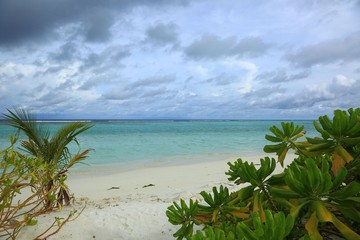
139,143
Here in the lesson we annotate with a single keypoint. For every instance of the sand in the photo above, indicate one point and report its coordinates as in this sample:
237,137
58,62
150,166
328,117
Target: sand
119,206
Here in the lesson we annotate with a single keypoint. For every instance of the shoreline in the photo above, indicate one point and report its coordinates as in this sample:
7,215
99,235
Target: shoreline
123,167
132,205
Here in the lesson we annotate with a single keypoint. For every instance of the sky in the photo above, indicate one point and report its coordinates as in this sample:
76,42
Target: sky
180,59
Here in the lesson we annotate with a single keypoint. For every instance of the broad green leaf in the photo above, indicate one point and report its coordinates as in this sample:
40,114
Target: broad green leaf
278,192
340,175
272,138
351,190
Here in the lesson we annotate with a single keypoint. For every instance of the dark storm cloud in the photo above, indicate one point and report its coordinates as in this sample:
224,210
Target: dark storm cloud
212,47
347,49
281,75
96,26
66,52
162,33
23,20
108,58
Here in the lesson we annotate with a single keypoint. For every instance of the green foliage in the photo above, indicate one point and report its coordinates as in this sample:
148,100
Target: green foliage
313,188
183,215
19,209
284,138
269,229
243,172
51,151
340,137
319,191
211,234
221,206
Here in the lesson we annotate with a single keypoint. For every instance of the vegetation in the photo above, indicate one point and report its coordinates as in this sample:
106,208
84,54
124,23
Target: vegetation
317,196
52,152
33,184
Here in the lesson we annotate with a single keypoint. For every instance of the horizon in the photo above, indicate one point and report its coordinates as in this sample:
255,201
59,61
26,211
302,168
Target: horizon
44,120
184,60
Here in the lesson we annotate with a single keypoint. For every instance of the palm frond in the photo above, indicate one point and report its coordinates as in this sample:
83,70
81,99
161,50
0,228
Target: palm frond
63,137
78,158
23,121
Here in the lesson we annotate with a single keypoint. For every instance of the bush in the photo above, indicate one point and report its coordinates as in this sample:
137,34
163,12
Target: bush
317,195
20,202
50,151
33,181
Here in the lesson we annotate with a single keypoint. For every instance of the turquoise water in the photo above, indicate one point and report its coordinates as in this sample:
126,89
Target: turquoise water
132,143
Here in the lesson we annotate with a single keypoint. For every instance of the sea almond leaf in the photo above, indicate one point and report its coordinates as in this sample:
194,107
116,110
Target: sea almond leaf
272,138
312,227
337,163
282,156
322,212
343,153
239,214
325,215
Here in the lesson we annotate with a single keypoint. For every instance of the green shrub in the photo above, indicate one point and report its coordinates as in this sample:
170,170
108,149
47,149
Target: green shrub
52,152
317,195
20,202
33,180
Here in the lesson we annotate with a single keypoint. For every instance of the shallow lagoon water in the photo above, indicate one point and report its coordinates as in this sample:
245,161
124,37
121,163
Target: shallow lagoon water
159,142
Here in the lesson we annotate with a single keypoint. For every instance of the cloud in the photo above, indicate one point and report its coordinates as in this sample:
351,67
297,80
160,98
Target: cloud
66,52
28,20
158,58
346,49
10,70
96,26
263,97
152,81
109,58
281,76
222,79
211,46
251,47
144,88
345,87
341,92
161,33
341,80
246,83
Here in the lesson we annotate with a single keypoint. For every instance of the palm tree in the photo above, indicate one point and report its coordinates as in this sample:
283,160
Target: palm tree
51,150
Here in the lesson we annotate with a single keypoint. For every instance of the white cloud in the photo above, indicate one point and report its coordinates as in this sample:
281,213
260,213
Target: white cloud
246,84
10,69
343,81
200,71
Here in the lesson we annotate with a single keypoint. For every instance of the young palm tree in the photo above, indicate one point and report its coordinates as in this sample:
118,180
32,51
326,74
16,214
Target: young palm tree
52,150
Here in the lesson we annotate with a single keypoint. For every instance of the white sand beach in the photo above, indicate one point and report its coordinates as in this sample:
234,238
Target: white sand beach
118,206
